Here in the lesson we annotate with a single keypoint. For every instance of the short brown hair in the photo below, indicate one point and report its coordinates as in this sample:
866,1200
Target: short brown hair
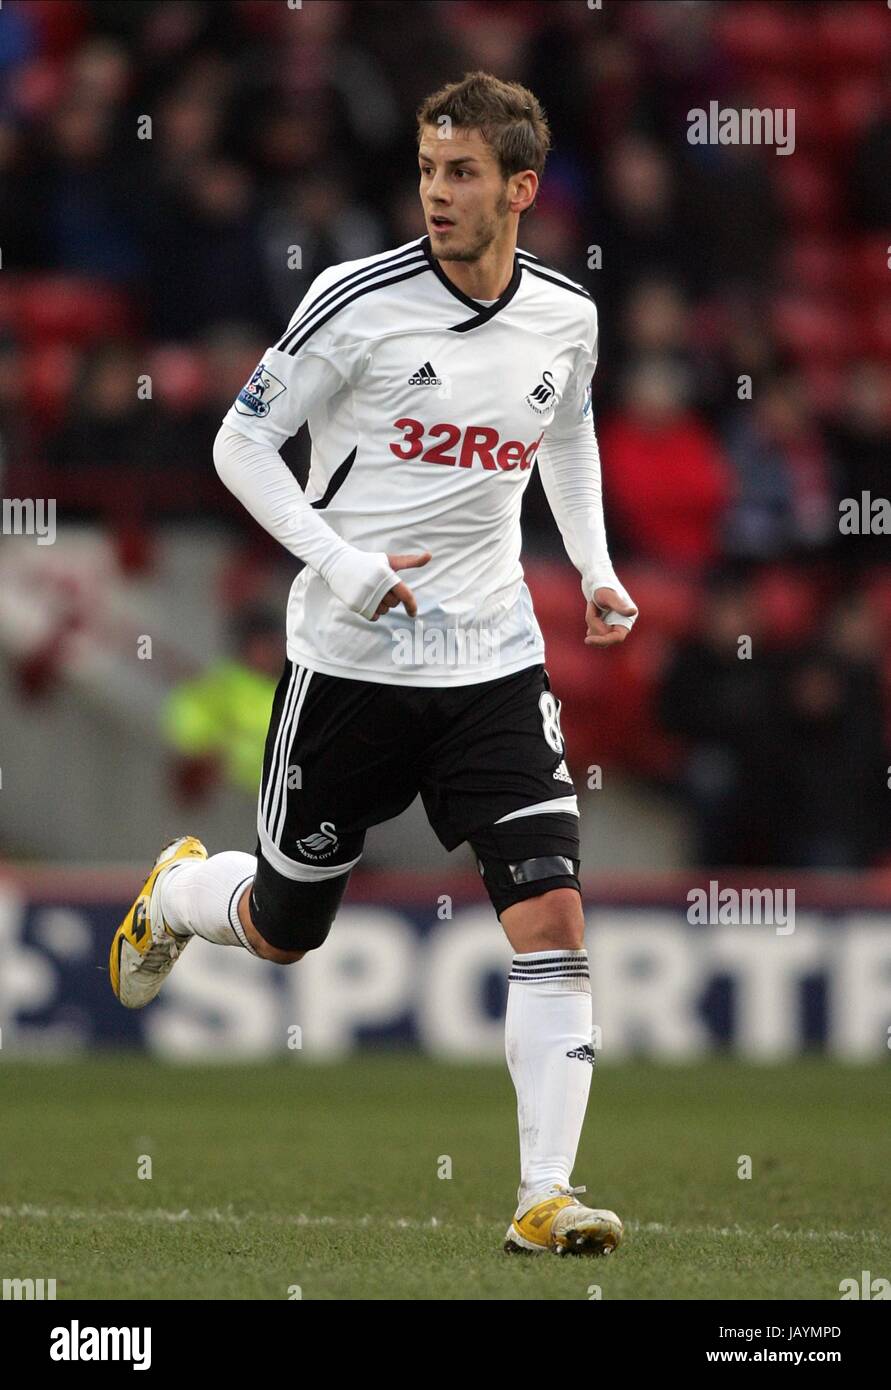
509,118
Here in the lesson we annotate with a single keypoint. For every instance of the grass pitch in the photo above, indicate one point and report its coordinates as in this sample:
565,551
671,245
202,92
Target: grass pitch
324,1177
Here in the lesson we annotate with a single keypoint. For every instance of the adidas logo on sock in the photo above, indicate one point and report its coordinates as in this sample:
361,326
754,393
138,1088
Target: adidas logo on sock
424,376
585,1053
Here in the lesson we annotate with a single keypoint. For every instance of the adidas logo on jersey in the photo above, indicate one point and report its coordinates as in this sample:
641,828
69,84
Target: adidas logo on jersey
425,376
562,773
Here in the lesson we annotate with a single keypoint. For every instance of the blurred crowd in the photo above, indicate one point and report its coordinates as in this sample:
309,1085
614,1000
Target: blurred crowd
744,382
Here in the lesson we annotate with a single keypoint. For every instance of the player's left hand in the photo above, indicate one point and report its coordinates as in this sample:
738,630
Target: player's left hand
600,633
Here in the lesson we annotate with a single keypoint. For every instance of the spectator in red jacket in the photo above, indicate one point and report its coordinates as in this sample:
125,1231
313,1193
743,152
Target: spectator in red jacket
666,483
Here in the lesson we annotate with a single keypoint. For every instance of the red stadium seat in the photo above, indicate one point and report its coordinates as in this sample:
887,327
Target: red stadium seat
179,377
814,326
852,107
776,91
10,291
878,590
608,696
72,309
789,604
851,36
571,666
875,330
808,192
758,36
815,264
866,262
668,602
626,730
49,380
62,24
556,595
825,382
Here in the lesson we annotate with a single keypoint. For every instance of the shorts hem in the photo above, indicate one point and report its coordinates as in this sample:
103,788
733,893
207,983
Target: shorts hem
293,869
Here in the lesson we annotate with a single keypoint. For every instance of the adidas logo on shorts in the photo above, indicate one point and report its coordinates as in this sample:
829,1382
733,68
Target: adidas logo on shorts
562,773
425,376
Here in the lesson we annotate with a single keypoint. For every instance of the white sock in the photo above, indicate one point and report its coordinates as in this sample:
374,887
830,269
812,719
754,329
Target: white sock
200,897
549,1019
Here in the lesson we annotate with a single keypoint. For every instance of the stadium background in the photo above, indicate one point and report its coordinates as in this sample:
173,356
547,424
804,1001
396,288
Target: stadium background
138,650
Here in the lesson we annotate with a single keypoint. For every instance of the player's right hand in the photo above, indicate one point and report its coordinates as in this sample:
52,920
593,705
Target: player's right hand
401,593
367,583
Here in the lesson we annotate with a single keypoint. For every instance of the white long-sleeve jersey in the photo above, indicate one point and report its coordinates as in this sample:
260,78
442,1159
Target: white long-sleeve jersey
427,412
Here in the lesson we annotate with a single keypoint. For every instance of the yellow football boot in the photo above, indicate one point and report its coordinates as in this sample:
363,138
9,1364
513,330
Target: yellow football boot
144,948
553,1220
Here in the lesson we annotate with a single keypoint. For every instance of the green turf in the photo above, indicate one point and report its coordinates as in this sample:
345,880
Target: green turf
325,1176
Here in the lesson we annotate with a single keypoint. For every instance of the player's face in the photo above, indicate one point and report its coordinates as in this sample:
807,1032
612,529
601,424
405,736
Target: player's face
466,200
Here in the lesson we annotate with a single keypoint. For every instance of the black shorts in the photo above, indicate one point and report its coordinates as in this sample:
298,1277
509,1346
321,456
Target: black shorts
343,755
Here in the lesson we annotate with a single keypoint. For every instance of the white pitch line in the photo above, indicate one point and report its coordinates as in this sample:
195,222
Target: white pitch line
27,1212
657,1229
213,1216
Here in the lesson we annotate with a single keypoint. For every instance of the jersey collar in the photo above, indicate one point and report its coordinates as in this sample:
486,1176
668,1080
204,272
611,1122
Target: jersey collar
481,313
